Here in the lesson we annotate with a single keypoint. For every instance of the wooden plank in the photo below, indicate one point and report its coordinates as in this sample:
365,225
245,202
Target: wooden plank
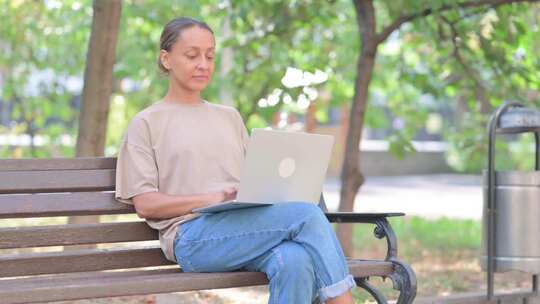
57,181
61,204
60,235
358,268
136,285
367,268
44,278
77,163
82,260
99,285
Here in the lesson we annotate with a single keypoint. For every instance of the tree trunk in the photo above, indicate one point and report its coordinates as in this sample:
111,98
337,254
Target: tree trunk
311,121
97,88
351,177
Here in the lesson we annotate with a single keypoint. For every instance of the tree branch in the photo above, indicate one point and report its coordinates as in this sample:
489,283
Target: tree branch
404,18
469,71
480,88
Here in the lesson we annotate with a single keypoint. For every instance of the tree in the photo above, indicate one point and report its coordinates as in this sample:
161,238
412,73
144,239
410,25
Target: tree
97,85
98,80
370,39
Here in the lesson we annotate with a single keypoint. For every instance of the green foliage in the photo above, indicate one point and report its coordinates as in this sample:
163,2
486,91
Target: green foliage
37,41
467,150
476,59
400,145
417,70
269,36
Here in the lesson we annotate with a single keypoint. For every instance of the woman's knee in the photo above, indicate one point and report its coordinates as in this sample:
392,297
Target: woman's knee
294,258
301,209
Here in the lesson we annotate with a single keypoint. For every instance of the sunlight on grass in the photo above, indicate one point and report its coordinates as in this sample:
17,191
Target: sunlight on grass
434,248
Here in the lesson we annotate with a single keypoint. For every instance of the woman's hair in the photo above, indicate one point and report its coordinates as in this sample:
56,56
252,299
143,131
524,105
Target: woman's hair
172,31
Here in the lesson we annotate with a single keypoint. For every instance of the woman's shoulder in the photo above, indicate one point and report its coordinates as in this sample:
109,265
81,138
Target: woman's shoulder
220,106
149,109
141,119
225,109
145,113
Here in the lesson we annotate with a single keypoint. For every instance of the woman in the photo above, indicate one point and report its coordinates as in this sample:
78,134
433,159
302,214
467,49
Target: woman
182,153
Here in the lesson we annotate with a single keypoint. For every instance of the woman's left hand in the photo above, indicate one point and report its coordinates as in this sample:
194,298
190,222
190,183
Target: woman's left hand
229,194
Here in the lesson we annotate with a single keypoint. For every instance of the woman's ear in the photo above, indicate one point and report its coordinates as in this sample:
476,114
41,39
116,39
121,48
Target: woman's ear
164,57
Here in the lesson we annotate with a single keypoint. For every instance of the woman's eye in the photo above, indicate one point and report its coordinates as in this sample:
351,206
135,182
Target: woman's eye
191,56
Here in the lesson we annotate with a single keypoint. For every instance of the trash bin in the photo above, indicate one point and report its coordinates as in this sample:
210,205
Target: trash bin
517,214
511,213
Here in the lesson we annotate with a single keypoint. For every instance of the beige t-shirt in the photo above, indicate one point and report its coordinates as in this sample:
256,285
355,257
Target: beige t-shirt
180,149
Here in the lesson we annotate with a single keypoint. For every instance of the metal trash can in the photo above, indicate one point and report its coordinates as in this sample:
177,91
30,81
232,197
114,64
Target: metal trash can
518,221
511,213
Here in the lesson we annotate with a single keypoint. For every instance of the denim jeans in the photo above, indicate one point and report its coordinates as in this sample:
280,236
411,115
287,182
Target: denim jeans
293,243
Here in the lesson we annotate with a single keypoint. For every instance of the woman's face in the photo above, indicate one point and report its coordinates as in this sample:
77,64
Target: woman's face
191,59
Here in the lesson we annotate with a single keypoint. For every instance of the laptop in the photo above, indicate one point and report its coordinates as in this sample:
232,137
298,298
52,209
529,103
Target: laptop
280,166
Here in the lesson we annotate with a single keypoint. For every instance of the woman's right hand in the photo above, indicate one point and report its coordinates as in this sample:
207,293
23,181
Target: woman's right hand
226,194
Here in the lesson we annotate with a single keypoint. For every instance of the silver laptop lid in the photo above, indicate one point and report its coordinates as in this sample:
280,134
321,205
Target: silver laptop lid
284,166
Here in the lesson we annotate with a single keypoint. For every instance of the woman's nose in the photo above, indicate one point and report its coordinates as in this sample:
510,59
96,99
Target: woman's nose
204,63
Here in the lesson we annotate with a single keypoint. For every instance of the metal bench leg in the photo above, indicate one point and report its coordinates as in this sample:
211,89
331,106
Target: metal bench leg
362,283
404,280
403,277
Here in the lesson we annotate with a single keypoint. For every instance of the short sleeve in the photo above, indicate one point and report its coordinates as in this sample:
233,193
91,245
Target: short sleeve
136,169
244,135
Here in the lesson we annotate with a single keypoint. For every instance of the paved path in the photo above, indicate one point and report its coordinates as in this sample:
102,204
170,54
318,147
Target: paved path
430,196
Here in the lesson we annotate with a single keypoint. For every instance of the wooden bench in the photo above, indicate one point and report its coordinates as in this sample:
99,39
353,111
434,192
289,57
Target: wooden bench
33,188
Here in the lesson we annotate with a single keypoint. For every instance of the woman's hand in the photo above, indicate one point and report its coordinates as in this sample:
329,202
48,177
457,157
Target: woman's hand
229,194
226,194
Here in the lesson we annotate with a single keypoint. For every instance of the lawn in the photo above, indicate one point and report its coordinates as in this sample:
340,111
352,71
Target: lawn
444,254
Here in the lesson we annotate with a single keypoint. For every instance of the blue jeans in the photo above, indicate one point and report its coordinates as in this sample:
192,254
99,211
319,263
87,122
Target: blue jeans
293,243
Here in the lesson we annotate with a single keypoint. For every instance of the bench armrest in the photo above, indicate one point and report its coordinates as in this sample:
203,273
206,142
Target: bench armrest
403,277
354,217
382,226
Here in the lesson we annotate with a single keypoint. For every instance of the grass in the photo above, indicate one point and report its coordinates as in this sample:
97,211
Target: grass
444,254
438,235
446,234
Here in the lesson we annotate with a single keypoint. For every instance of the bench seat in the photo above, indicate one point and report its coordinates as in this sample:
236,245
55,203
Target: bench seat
97,284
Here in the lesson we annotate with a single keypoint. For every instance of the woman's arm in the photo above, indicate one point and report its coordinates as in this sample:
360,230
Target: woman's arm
157,205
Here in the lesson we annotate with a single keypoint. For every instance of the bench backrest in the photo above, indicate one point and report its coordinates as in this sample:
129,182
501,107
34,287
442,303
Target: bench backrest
67,187
32,188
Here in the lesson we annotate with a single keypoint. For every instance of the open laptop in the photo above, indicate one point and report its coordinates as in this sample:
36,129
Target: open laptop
280,166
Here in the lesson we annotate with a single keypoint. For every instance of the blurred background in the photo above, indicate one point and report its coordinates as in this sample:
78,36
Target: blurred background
407,86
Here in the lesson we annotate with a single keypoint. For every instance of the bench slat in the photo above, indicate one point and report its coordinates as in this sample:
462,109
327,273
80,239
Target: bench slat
136,285
81,260
60,235
77,163
56,181
96,285
61,204
44,278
